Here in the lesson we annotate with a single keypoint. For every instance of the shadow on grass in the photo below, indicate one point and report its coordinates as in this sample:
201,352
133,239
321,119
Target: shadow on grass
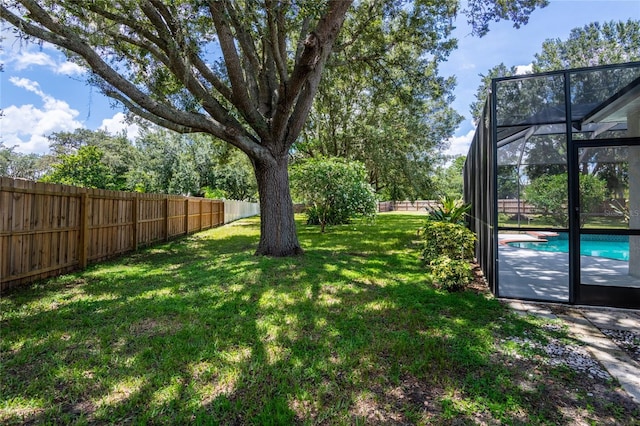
201,331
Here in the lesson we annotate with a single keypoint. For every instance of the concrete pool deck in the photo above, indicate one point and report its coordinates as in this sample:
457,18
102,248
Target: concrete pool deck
533,274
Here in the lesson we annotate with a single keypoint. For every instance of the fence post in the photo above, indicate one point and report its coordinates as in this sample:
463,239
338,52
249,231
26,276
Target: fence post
186,216
136,217
84,229
166,218
200,213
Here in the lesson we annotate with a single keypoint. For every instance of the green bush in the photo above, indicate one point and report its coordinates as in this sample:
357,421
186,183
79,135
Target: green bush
316,214
451,274
448,249
447,239
336,190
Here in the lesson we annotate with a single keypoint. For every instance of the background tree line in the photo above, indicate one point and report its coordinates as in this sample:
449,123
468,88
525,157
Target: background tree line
162,161
158,161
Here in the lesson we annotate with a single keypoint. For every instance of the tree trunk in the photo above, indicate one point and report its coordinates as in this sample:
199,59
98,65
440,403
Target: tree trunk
277,227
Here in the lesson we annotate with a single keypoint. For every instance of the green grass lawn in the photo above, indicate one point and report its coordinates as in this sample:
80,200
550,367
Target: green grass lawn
201,331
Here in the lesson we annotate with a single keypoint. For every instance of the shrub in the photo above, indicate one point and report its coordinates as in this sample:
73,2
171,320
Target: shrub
316,215
447,239
451,274
450,210
336,190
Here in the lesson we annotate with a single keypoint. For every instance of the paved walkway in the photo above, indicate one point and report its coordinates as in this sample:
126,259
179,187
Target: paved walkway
585,324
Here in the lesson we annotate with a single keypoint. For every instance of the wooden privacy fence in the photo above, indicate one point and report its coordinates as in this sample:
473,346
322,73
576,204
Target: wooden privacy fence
504,206
48,230
510,206
407,206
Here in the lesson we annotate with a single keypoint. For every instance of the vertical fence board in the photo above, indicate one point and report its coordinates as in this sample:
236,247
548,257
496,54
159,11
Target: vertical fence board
166,218
83,247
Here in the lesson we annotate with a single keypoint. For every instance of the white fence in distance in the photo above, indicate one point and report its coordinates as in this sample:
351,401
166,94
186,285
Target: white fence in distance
234,210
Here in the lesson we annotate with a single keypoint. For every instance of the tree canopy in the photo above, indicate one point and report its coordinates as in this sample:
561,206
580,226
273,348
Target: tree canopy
243,71
190,164
18,165
158,160
382,102
117,155
449,180
83,168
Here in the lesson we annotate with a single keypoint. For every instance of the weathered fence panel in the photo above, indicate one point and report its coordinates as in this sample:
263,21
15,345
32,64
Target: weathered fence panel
48,230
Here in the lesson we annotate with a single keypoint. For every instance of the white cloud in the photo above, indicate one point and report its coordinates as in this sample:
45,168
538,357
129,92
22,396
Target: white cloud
27,126
524,69
25,58
117,124
69,68
29,85
459,145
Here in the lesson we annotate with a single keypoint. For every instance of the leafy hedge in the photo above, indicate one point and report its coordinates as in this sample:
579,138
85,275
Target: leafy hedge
447,239
451,274
448,250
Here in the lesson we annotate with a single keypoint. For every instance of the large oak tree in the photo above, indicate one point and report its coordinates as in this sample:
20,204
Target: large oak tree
244,71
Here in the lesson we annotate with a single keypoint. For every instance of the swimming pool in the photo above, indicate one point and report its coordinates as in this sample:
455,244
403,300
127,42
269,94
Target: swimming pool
617,250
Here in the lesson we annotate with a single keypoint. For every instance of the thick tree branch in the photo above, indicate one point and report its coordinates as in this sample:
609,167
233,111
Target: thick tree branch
125,20
308,69
209,103
249,54
276,48
211,77
234,67
158,21
142,44
64,37
240,140
304,30
177,50
114,94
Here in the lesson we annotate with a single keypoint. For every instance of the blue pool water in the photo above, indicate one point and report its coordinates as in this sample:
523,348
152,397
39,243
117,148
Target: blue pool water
617,250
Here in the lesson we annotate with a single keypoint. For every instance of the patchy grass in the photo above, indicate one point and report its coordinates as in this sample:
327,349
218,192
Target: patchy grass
201,331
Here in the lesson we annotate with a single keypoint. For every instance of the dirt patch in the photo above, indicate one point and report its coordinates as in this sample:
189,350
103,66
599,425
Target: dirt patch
479,283
152,326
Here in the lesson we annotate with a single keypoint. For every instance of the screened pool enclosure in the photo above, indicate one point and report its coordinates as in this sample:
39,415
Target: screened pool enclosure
553,176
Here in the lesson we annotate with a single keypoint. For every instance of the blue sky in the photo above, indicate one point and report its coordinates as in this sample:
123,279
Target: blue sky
41,93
